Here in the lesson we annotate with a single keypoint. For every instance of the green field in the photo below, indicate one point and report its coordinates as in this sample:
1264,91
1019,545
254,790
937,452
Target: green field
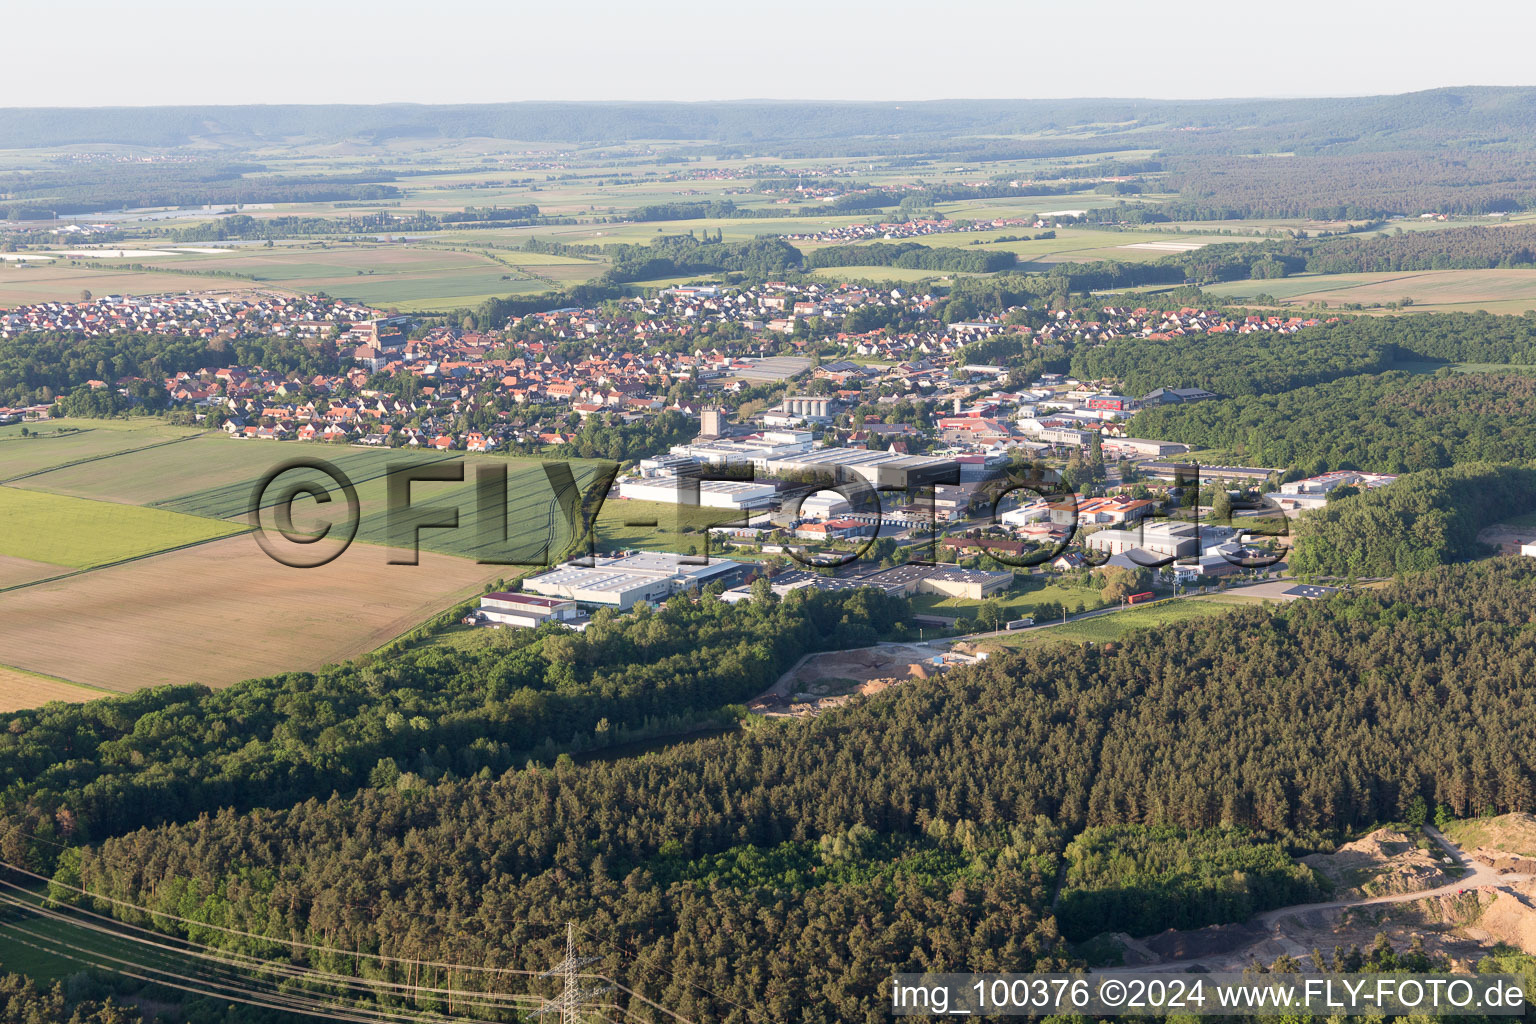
61,282
214,477
66,442
83,534
874,273
1113,626
408,277
677,526
1497,291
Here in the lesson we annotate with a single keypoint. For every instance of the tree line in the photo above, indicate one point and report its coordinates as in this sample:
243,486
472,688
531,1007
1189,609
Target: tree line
80,772
37,368
1393,422
1421,520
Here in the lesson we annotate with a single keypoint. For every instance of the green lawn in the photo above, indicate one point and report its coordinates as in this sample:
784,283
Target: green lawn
83,534
677,526
68,442
1105,628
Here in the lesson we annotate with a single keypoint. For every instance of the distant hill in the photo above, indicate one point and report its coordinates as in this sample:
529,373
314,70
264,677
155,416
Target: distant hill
1471,117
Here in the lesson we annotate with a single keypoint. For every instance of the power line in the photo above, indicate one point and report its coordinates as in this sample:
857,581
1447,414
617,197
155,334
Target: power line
569,1002
575,995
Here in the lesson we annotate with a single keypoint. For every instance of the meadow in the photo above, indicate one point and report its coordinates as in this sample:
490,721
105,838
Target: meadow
395,276
1497,291
65,442
1114,625
1020,601
214,477
83,534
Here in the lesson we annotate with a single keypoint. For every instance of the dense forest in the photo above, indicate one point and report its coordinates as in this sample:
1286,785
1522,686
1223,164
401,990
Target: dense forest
1146,879
1415,122
1457,249
913,255
1421,520
1392,422
673,255
599,439
1261,363
87,770
1357,186
791,869
24,1002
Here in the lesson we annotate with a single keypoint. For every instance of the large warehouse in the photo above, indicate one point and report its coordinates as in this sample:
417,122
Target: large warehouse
624,581
675,490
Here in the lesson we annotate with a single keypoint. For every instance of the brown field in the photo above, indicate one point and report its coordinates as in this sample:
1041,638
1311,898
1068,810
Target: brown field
16,571
221,612
57,282
22,690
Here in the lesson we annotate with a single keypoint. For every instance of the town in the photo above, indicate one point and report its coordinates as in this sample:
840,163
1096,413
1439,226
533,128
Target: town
763,404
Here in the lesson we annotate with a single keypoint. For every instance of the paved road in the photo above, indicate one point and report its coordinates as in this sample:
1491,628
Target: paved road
1480,875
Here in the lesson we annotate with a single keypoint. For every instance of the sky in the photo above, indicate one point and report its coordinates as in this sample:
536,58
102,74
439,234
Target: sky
144,52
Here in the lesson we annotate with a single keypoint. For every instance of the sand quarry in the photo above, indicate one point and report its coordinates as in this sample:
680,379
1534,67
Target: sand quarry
1495,906
823,681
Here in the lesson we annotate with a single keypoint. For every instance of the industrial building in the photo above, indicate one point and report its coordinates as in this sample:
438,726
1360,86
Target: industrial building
882,470
1166,539
1313,492
739,451
1143,446
944,580
901,581
624,581
800,409
526,611
681,490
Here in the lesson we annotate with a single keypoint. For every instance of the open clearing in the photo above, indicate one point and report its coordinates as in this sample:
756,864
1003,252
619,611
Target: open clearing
1112,626
65,442
20,690
81,534
1497,291
221,612
397,276
61,282
214,477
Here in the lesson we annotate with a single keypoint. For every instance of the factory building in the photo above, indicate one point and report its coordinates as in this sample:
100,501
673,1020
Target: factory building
680,490
624,581
526,611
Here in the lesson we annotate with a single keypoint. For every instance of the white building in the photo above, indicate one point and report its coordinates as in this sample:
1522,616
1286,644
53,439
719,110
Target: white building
1313,491
1166,539
626,580
526,611
738,451
676,490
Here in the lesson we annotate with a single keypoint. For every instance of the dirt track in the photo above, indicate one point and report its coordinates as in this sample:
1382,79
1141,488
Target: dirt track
1274,929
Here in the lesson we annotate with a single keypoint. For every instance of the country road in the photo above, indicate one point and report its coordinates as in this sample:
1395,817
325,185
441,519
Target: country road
1480,875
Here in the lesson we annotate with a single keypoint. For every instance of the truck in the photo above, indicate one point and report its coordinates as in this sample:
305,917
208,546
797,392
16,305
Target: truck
1139,598
1020,623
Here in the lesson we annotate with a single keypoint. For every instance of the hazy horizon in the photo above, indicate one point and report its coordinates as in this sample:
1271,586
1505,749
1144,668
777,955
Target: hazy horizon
239,52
